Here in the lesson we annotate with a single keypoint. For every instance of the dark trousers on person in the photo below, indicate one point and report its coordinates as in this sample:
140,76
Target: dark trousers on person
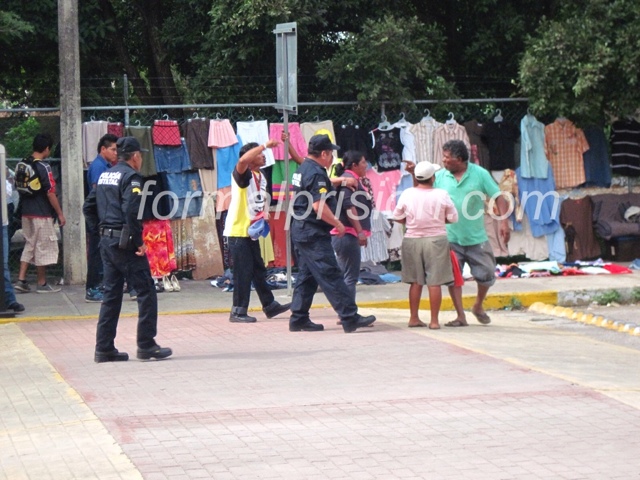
317,265
118,265
94,258
248,266
347,250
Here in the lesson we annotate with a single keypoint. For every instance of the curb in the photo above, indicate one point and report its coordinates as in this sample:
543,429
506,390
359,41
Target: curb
497,301
586,318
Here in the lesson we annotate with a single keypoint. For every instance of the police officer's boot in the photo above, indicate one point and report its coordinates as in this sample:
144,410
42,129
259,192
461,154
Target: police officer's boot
275,309
359,321
239,315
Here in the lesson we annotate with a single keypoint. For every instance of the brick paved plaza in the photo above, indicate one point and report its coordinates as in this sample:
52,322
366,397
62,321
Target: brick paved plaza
514,400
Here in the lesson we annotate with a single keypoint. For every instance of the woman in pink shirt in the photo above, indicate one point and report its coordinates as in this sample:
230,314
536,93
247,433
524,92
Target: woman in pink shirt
426,259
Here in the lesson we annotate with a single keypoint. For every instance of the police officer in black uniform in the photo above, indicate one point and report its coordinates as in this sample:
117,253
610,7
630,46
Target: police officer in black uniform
114,205
312,220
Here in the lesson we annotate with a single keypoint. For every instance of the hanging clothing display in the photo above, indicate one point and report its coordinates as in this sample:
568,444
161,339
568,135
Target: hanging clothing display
256,131
226,160
91,133
158,238
183,244
384,187
540,203
376,249
221,134
424,134
387,148
186,194
625,147
196,134
576,217
352,137
479,153
143,135
597,169
166,132
522,242
444,133
116,128
408,141
209,177
206,245
172,159
500,138
295,139
564,146
533,160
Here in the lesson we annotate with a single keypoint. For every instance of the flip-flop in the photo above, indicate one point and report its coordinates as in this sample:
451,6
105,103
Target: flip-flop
417,325
434,328
483,318
456,323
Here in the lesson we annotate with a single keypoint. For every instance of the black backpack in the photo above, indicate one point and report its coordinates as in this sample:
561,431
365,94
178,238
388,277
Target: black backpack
26,177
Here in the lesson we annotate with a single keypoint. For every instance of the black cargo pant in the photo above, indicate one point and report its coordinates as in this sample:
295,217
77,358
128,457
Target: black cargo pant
248,266
118,265
317,265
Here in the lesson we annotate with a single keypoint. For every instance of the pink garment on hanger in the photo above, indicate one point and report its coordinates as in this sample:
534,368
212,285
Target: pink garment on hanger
295,138
221,134
384,188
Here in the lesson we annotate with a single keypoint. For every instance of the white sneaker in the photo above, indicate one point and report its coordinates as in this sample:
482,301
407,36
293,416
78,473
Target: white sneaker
46,288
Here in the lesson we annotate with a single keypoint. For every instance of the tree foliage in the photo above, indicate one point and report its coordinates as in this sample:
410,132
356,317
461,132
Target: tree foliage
388,60
18,140
576,58
585,63
12,27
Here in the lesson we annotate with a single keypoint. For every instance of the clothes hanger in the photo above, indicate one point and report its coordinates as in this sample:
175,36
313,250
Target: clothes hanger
498,118
452,119
138,124
165,116
251,119
428,114
93,118
402,122
194,117
218,116
316,118
384,124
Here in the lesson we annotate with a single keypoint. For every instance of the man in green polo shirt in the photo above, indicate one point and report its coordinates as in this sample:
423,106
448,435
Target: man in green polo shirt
469,185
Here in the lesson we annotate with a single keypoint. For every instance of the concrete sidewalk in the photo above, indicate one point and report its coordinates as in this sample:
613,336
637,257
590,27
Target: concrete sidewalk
201,297
521,398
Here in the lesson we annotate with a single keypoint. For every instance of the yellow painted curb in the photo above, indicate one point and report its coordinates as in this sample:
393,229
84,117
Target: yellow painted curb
586,318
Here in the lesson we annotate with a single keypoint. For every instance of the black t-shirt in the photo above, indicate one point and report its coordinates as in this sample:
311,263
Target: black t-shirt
311,184
501,138
38,205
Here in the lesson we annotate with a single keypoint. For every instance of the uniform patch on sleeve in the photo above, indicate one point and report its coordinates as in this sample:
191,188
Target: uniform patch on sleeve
322,190
135,190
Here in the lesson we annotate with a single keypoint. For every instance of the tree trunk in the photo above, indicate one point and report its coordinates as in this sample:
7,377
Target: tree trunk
116,37
152,17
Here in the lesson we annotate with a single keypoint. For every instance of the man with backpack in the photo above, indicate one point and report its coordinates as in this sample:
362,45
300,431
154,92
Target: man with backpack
39,207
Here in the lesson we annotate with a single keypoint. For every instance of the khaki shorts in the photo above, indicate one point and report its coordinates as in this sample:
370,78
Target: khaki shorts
481,261
41,241
426,261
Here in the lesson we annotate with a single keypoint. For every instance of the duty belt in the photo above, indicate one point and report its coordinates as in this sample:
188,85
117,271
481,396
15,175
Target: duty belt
110,232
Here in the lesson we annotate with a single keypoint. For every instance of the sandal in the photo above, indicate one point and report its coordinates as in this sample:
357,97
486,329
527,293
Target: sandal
482,317
175,284
456,323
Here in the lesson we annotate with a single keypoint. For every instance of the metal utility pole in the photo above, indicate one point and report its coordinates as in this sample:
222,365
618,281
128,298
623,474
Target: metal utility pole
73,234
287,102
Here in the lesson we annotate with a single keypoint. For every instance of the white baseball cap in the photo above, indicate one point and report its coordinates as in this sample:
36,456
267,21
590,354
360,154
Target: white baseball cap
425,170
